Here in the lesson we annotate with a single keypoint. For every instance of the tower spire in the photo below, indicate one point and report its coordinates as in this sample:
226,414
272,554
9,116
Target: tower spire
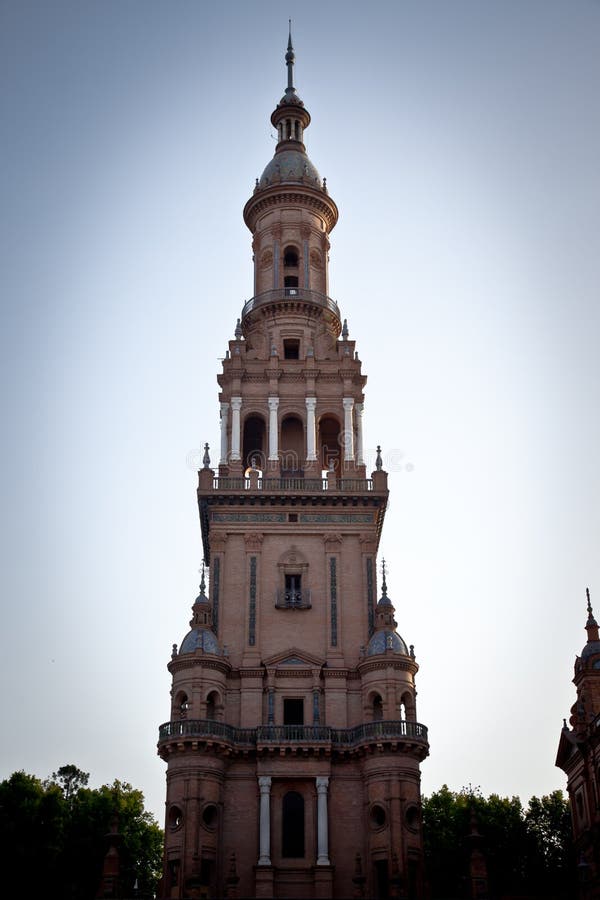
289,61
591,626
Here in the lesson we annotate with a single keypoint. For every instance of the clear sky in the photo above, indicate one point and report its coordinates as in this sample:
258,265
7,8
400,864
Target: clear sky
461,141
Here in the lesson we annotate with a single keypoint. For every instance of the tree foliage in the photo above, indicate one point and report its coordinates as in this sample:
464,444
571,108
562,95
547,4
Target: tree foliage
527,851
53,836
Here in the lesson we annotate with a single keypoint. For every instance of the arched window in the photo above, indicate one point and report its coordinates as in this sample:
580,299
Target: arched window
254,442
290,258
211,705
292,446
377,708
292,825
182,704
330,448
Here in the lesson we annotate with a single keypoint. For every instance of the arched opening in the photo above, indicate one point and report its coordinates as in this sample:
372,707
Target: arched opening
290,267
292,446
254,442
292,825
182,704
377,708
330,448
290,258
407,707
212,702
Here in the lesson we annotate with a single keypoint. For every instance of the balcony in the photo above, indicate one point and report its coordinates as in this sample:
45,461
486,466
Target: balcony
295,485
292,599
390,730
291,295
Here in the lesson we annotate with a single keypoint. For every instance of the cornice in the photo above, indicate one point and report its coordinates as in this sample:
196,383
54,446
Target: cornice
190,661
284,195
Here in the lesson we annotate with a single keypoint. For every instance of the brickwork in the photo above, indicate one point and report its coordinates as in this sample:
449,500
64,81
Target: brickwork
293,746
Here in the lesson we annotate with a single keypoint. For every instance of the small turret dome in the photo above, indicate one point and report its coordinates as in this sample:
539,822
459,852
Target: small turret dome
200,639
386,640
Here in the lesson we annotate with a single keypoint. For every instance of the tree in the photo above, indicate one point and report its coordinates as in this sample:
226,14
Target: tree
527,852
53,836
70,779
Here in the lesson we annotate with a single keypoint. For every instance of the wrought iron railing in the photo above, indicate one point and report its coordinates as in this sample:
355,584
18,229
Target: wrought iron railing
387,729
292,599
291,294
302,485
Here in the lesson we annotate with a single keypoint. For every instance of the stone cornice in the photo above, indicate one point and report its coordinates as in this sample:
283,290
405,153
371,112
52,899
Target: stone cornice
381,661
192,660
285,195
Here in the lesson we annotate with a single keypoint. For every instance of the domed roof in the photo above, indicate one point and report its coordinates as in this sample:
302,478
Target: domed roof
590,648
200,639
386,640
290,165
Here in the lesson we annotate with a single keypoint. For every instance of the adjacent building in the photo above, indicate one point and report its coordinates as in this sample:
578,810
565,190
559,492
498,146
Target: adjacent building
293,746
579,757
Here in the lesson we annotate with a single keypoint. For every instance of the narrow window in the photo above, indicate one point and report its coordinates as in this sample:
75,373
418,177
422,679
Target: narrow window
290,281
291,349
292,821
293,711
293,590
290,258
377,708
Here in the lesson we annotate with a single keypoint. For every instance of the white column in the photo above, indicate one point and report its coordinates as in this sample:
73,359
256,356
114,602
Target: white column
311,435
322,833
264,783
224,419
348,428
236,404
273,430
359,409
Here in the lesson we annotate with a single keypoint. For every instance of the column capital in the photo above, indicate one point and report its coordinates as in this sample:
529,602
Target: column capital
359,408
236,403
224,408
264,783
348,402
273,402
311,403
322,784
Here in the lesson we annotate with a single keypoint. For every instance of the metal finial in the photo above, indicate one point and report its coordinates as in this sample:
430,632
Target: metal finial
202,583
289,61
378,460
206,457
345,331
589,604
383,581
238,330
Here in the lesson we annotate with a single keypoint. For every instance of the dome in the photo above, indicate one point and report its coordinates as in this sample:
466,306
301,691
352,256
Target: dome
200,639
590,649
290,165
386,640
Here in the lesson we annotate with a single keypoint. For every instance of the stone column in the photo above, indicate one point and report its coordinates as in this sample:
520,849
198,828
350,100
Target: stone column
322,833
359,409
236,405
273,429
311,429
348,429
224,419
264,783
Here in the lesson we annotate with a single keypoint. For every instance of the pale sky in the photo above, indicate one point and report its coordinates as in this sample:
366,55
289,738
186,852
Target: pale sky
461,142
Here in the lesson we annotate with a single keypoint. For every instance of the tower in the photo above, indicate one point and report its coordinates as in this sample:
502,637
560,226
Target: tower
579,757
293,746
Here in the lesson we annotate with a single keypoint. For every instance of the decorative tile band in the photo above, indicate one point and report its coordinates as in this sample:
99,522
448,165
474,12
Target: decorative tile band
370,597
252,616
333,597
249,517
216,578
336,518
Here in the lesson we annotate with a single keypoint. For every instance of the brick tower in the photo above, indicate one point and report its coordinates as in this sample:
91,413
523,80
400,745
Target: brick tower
579,757
293,746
